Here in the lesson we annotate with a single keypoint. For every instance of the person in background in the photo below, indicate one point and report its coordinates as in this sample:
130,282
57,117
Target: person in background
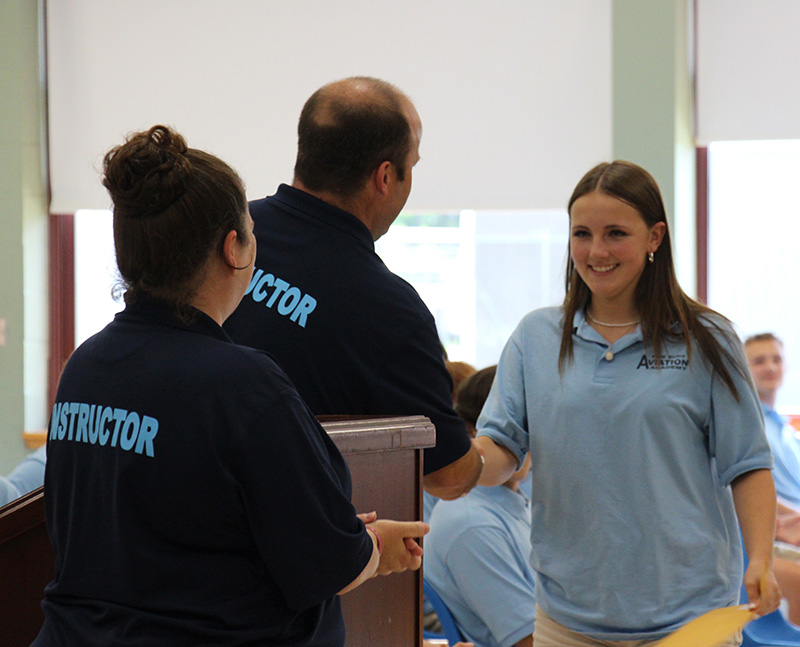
645,434
353,337
190,494
7,491
471,395
477,552
765,357
25,477
458,371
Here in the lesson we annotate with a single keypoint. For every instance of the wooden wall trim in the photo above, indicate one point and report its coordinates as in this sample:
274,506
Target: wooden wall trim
61,244
702,223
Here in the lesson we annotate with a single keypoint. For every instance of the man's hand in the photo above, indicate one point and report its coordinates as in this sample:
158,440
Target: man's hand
455,480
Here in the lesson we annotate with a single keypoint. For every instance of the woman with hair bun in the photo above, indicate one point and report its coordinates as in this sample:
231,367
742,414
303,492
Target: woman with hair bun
644,431
190,495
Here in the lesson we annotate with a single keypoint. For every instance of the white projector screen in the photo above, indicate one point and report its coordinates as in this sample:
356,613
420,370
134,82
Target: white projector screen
748,64
515,97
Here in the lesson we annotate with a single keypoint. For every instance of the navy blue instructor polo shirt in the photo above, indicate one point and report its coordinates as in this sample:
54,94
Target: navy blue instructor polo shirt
353,337
191,496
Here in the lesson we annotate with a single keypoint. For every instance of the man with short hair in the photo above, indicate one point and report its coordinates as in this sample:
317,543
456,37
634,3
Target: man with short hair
766,362
477,554
354,338
477,559
765,358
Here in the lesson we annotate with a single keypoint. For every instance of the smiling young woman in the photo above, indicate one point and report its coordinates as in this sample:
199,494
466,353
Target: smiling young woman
610,243
645,434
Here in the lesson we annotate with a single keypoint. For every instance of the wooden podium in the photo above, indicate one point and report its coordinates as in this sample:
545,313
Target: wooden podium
26,566
385,460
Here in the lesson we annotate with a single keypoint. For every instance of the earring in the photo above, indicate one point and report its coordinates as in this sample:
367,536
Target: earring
650,257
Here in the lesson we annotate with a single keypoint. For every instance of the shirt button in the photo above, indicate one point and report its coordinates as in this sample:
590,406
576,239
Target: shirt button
609,355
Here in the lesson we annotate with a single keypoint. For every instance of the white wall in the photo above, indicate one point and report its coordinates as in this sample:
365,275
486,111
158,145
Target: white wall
515,97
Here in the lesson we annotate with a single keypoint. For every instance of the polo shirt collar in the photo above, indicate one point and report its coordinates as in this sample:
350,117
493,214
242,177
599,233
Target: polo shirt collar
297,201
515,503
583,330
160,312
769,412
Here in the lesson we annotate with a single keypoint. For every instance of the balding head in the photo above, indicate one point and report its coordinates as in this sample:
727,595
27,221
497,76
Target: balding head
347,129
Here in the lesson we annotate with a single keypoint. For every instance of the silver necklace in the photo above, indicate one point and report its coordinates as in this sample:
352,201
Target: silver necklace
610,325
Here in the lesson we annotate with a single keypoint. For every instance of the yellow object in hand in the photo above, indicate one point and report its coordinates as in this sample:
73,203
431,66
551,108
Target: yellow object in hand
710,629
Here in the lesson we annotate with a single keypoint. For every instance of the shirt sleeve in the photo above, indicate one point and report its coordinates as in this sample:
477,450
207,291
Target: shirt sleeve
7,491
504,416
415,381
295,487
29,474
495,584
737,440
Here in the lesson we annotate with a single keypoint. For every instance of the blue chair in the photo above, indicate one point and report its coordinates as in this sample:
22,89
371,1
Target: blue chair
451,631
771,630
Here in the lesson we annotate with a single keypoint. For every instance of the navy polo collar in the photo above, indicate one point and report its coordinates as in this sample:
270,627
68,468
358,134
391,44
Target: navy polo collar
155,310
306,205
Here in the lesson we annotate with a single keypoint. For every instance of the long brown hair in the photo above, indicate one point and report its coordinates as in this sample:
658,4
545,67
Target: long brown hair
659,299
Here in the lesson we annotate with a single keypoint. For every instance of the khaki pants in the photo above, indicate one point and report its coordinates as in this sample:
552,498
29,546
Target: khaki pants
549,633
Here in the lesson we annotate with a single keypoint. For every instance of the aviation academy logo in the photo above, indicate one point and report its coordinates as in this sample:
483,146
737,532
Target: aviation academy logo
679,362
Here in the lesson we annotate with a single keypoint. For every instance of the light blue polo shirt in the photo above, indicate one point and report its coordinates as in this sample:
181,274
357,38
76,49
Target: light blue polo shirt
25,477
29,474
476,559
785,455
633,527
7,491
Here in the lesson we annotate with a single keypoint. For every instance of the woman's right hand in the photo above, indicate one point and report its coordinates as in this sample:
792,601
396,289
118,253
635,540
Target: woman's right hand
400,550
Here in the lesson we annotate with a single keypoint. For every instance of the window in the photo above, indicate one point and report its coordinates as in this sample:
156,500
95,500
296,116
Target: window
95,273
754,255
478,272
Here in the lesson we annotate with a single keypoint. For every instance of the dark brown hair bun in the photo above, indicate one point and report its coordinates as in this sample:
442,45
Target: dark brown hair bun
148,173
173,207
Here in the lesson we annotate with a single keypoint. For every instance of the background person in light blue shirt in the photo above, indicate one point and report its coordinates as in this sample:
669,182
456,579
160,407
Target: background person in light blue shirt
476,558
765,358
478,561
7,491
645,434
459,371
24,478
766,362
